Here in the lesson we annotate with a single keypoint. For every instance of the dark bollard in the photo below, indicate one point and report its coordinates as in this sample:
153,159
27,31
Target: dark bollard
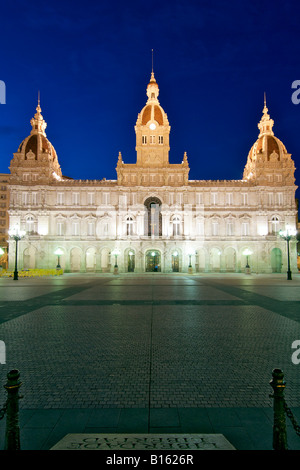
279,426
12,432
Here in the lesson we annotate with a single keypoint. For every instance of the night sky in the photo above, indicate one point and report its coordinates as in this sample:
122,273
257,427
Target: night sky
91,61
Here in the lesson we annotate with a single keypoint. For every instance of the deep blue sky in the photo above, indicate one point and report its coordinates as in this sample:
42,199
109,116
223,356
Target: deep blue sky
91,61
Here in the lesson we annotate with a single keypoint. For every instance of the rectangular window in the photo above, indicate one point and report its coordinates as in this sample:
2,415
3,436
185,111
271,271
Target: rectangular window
270,199
244,199
34,199
245,229
60,198
214,198
229,228
25,176
215,229
91,228
280,199
199,199
75,199
152,139
105,198
91,198
75,228
25,198
200,228
229,199
60,228
144,139
160,139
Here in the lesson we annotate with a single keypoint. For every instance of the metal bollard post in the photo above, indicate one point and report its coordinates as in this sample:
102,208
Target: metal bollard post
12,432
279,426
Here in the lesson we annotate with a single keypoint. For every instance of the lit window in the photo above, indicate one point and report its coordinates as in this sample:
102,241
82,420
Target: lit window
215,228
245,229
176,226
91,228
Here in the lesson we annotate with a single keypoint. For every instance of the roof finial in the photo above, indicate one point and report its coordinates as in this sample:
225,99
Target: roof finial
265,100
39,97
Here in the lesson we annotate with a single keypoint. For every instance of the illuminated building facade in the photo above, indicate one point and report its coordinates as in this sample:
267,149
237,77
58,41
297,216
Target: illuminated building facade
152,217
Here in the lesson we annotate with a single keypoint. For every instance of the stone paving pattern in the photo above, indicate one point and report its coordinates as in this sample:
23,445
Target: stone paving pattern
150,352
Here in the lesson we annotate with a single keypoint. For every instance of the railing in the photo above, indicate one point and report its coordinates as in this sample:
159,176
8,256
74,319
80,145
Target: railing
11,411
281,410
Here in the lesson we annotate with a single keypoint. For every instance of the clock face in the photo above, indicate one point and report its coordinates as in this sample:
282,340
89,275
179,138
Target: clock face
152,126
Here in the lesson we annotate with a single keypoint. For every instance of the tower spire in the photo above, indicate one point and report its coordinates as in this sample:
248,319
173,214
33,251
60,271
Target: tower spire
152,61
37,122
266,123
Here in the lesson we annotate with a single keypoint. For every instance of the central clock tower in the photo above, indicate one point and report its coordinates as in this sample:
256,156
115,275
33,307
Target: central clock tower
152,131
152,167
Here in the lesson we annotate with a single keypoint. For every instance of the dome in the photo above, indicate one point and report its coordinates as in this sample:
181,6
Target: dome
36,152
269,146
268,156
152,112
37,144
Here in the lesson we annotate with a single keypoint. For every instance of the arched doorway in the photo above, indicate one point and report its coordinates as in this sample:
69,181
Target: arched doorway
153,261
75,259
175,262
215,259
90,259
276,260
230,259
29,256
131,261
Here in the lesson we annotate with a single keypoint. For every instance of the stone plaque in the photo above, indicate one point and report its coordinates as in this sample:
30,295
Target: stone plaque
172,442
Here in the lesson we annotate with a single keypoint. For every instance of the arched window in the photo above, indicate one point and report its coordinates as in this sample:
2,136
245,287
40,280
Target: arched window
153,218
274,225
176,226
129,226
30,225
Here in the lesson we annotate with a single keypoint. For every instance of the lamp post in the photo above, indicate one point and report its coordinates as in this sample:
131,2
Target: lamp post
58,253
116,252
190,253
247,253
17,235
288,234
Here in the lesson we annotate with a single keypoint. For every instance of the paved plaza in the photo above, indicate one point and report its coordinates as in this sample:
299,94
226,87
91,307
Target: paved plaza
152,353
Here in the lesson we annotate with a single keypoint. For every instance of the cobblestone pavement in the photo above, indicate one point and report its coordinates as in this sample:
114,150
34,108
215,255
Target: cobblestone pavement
150,341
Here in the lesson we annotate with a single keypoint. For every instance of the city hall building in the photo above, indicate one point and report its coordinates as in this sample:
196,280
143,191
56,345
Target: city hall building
152,217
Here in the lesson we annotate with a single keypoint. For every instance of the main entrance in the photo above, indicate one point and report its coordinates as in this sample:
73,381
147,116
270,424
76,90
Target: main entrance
153,261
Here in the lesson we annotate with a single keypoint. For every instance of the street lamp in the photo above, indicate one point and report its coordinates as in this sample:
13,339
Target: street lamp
287,235
190,253
58,253
247,253
17,235
116,252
